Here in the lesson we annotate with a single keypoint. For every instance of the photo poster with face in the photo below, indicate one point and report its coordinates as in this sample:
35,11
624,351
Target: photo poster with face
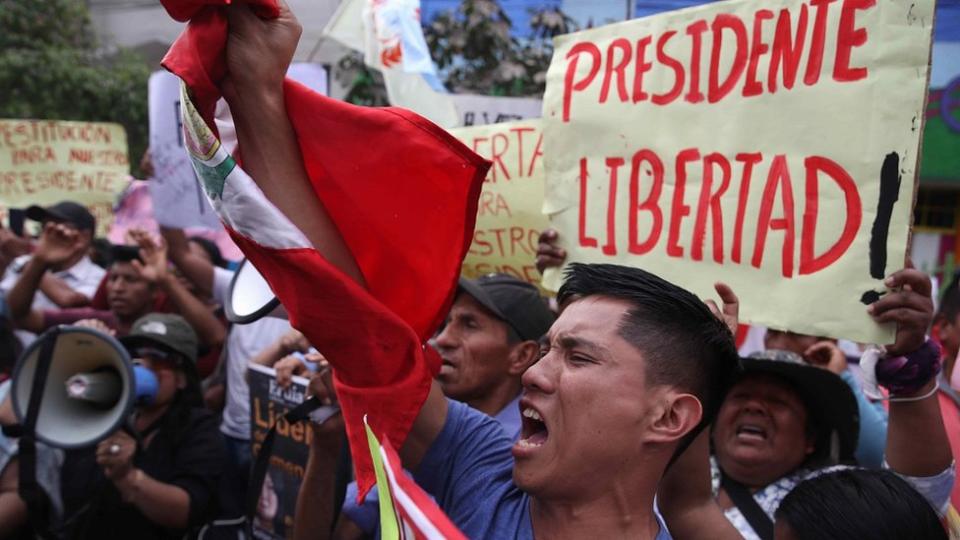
173,186
278,498
47,161
768,144
509,213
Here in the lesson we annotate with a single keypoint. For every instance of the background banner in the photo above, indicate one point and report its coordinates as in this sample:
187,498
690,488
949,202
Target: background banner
47,161
174,186
509,216
772,145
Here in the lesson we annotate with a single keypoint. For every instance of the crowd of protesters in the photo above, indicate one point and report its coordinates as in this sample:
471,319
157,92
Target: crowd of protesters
621,409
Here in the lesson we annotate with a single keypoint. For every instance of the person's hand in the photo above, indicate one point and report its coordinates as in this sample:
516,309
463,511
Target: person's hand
909,307
58,244
98,325
549,255
294,341
826,355
286,368
13,246
730,313
259,51
329,432
153,263
115,455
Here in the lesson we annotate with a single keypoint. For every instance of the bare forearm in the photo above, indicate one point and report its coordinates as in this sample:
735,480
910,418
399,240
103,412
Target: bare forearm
271,354
161,503
271,155
197,269
426,427
21,295
685,496
917,443
209,329
13,511
314,513
60,293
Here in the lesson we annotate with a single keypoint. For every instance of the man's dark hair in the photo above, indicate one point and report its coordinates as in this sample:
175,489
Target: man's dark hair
216,257
859,504
950,300
683,343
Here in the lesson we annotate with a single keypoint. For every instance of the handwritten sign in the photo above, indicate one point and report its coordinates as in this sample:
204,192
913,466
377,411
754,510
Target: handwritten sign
477,110
174,189
176,194
769,144
278,498
509,217
47,161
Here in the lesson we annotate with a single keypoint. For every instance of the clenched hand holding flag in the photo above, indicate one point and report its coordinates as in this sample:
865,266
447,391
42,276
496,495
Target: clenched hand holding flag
400,191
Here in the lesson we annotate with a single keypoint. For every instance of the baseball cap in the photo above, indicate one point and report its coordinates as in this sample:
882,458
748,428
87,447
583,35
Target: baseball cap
830,402
513,301
167,330
64,212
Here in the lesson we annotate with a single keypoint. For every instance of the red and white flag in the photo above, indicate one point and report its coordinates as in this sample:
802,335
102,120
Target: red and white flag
406,510
402,193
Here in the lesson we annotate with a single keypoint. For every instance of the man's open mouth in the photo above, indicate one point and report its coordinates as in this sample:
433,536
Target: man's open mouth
533,431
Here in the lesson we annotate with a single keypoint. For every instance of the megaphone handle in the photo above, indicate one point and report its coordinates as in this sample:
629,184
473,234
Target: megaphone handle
38,504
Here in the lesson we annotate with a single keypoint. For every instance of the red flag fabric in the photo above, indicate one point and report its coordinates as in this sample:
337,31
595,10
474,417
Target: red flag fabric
403,194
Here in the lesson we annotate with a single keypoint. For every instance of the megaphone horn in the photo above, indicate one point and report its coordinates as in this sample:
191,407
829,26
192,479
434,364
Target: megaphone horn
79,383
250,297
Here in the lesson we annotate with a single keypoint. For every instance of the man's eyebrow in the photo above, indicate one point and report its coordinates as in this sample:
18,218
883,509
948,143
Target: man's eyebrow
571,342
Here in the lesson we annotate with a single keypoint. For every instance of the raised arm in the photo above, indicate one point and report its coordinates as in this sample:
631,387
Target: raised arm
58,243
197,269
685,496
258,55
154,268
62,294
315,501
917,443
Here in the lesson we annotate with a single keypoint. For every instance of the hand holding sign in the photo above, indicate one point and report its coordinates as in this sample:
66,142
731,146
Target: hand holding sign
910,307
772,145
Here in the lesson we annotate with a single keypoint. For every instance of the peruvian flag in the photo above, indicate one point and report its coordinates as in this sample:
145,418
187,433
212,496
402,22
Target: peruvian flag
403,195
406,511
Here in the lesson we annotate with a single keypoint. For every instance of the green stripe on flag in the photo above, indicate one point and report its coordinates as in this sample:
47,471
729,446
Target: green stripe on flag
389,527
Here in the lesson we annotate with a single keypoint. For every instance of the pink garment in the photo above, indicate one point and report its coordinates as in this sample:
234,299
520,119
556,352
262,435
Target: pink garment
135,210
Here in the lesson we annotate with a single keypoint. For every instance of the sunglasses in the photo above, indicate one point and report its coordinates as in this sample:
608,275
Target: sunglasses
154,354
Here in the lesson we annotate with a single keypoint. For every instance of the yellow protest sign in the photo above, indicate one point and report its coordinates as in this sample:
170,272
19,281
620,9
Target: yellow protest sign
48,161
509,217
769,144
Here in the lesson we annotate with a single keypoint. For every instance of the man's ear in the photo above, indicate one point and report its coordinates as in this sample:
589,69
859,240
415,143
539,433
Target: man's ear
674,415
522,356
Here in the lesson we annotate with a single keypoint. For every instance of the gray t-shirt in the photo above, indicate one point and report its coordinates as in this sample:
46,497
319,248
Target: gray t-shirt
244,342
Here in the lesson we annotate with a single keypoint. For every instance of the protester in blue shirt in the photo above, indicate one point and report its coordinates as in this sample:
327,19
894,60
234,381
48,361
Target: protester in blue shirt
632,369
490,338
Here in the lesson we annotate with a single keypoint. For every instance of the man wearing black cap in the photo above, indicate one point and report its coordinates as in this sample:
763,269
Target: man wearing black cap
61,256
490,339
